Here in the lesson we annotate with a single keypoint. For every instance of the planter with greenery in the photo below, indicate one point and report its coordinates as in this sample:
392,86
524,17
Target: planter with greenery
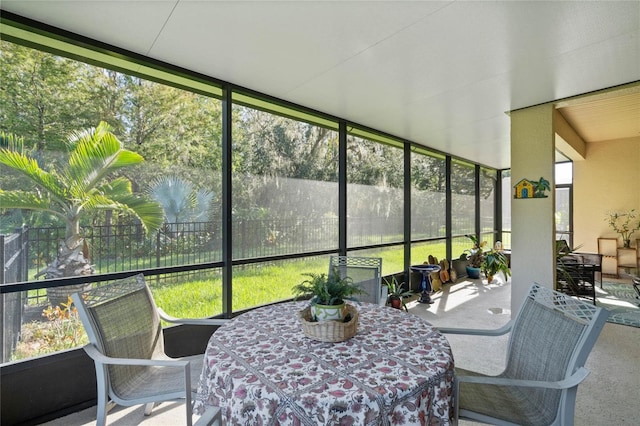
623,224
474,256
493,262
327,294
396,293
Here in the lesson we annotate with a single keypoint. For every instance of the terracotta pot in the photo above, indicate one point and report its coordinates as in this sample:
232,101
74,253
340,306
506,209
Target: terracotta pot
396,302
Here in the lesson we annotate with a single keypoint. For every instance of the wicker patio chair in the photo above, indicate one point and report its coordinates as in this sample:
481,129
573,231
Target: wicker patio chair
127,346
551,338
365,271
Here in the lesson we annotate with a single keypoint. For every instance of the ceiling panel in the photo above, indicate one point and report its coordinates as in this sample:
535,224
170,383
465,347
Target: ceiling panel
275,47
131,25
441,74
613,117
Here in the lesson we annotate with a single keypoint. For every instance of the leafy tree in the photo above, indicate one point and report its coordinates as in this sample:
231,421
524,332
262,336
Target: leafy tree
172,127
375,164
43,96
78,188
428,173
269,145
282,167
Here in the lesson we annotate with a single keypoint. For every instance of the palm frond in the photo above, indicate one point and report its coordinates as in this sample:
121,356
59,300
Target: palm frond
12,142
118,197
202,207
120,185
27,200
95,156
149,212
30,168
176,196
87,134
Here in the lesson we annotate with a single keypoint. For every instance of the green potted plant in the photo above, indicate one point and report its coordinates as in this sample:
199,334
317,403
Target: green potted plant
474,256
495,261
327,294
396,293
622,223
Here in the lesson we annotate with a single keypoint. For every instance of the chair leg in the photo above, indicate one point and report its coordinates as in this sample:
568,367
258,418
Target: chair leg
148,408
211,417
189,415
104,404
101,415
456,402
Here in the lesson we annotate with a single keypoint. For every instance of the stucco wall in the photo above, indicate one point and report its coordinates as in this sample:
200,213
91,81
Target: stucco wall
608,179
532,219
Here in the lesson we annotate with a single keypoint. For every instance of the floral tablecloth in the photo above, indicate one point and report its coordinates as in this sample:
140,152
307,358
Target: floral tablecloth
260,369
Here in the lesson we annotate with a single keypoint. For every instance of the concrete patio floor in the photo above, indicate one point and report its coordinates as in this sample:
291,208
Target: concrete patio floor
607,397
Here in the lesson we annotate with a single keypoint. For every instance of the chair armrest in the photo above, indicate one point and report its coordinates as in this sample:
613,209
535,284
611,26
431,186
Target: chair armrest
477,332
211,417
100,358
191,321
384,294
569,382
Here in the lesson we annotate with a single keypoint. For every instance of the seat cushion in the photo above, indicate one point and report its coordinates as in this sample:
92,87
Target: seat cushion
156,381
508,403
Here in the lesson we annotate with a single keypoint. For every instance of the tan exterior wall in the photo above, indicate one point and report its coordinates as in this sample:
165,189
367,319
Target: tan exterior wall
608,179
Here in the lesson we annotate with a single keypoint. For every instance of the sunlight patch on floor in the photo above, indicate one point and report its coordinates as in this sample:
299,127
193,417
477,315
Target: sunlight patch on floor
620,303
499,311
455,296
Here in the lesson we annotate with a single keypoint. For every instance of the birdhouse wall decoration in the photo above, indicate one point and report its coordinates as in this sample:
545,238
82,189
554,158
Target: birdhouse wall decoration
527,188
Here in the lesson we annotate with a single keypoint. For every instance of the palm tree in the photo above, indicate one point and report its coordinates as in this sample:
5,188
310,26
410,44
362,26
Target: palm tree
540,187
78,188
183,205
180,201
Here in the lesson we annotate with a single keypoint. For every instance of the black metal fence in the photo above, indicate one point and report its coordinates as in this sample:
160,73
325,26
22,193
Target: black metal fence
13,256
124,247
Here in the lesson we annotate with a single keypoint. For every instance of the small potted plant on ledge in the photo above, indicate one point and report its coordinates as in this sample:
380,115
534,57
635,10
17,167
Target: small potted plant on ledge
396,294
475,257
495,261
327,295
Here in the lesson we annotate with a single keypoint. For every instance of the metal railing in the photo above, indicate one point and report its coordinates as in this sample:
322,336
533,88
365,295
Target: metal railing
12,254
124,247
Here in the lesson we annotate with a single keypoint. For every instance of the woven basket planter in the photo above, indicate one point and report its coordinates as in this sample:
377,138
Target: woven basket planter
329,331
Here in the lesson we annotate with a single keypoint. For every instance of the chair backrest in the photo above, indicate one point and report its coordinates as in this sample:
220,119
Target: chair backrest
562,247
551,338
590,258
364,271
122,321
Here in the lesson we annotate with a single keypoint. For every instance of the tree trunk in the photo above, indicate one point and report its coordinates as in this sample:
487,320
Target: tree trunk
70,262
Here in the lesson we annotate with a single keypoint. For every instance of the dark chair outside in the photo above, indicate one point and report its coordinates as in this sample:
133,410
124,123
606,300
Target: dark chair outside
365,271
592,259
575,278
550,340
127,346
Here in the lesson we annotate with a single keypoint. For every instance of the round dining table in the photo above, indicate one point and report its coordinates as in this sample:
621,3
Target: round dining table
261,369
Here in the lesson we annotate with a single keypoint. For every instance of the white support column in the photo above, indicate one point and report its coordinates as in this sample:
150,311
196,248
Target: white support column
532,219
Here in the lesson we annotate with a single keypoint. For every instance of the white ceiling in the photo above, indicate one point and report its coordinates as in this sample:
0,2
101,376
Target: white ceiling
441,74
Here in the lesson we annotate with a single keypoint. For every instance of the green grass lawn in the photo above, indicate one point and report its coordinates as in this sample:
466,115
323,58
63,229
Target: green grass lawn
200,296
255,285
